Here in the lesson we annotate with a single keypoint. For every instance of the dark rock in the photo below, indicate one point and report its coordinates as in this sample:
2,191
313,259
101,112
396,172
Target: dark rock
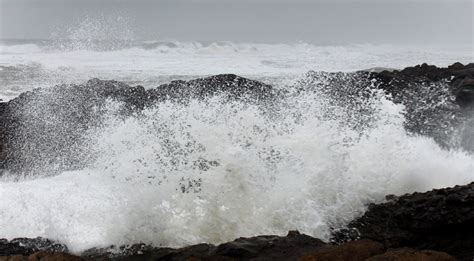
146,252
435,99
290,247
7,248
13,258
48,256
438,101
456,66
355,250
44,130
3,138
465,93
441,219
408,254
458,75
293,246
42,256
27,246
232,85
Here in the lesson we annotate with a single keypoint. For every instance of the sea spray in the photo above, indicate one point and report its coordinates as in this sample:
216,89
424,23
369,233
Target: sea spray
214,169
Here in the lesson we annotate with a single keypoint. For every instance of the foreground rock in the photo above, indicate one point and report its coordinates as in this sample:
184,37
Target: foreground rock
441,219
42,256
294,246
407,254
27,246
355,250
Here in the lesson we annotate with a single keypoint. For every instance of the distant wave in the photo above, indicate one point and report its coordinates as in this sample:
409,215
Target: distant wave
20,46
25,64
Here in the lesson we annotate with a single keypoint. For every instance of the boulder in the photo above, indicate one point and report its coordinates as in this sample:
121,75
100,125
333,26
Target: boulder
234,86
293,246
441,219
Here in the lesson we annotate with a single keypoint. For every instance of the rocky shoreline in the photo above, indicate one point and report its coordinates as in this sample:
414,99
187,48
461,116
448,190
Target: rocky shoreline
434,225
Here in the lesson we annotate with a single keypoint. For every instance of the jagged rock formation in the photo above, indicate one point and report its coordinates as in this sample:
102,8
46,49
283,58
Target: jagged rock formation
438,101
28,246
43,130
445,105
441,219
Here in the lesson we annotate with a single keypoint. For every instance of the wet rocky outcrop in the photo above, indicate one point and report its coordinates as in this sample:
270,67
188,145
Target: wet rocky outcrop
294,246
408,254
438,101
447,109
266,247
441,219
44,130
29,246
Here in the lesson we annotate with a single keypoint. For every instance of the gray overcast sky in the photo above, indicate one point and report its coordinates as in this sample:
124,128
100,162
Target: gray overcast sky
319,21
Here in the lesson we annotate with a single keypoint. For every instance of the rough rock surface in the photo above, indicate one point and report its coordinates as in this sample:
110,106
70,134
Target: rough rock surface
44,130
291,247
407,254
438,101
43,256
27,246
294,246
355,250
441,219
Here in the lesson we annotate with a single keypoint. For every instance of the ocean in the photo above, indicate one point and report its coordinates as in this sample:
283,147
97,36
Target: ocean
26,64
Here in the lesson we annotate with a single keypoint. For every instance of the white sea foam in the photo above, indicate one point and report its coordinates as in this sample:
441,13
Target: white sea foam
211,171
152,63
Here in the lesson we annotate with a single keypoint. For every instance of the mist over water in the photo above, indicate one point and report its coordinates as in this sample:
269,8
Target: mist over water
211,170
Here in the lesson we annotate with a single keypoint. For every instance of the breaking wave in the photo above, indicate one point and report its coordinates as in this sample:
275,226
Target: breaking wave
211,170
